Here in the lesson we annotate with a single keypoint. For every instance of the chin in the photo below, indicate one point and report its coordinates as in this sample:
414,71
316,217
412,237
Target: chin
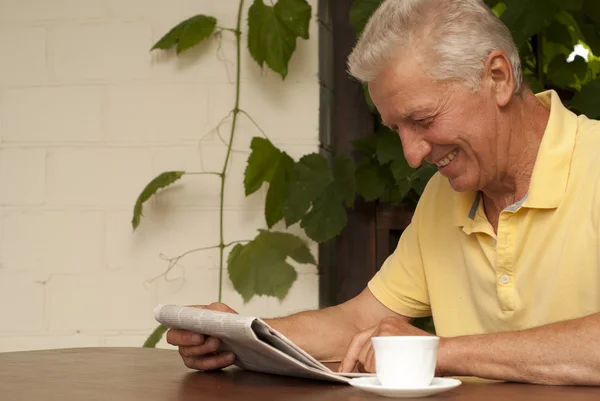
461,185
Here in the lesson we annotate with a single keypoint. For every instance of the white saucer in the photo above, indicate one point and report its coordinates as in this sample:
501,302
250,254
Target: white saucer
373,385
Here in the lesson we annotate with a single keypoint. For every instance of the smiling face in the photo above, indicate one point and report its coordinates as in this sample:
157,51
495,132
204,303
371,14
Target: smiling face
443,123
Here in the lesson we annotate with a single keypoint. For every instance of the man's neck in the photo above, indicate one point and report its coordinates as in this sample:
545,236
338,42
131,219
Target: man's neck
528,121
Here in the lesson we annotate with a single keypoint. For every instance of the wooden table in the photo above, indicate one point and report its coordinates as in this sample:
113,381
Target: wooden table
139,374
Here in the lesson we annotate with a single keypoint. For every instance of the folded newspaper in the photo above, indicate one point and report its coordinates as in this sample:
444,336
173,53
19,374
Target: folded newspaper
258,346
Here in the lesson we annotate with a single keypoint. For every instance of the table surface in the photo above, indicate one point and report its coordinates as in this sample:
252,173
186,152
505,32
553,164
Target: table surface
136,374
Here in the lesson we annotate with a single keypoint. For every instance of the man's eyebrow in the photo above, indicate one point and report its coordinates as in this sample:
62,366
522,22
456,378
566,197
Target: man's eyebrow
408,114
415,110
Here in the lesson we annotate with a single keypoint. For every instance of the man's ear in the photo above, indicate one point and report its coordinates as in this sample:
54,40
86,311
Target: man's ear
498,70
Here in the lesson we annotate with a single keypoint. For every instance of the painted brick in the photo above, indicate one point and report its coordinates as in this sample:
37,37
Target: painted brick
285,112
157,113
23,52
101,52
52,114
157,9
105,177
162,231
189,286
43,241
22,176
21,303
204,190
193,190
35,10
90,78
104,301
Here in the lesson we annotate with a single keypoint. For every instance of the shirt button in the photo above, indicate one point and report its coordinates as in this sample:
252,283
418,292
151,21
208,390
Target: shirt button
505,279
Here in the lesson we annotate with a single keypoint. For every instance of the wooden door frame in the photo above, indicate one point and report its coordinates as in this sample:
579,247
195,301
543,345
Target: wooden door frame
348,262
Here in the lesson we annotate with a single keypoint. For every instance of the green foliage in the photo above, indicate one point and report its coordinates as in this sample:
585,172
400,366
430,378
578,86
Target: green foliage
318,196
188,33
268,164
384,174
260,267
161,181
526,18
155,337
361,11
587,100
272,31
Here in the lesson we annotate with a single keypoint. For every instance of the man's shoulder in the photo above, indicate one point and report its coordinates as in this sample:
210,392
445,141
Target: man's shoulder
587,143
439,200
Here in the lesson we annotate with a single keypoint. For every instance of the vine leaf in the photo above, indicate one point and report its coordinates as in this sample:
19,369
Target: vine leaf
370,181
272,31
188,33
155,337
266,163
526,18
160,181
260,267
360,12
383,173
591,8
563,73
317,196
587,100
422,177
389,146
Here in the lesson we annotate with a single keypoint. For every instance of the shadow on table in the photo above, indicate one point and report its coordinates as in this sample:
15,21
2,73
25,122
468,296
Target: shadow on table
236,383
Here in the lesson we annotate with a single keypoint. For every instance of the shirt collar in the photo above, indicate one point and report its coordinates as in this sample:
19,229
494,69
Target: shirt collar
551,170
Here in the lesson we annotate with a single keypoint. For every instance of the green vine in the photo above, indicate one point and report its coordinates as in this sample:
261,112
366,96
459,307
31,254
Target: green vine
254,268
236,111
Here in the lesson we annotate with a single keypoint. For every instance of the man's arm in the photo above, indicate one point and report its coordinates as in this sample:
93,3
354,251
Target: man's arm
326,333
564,353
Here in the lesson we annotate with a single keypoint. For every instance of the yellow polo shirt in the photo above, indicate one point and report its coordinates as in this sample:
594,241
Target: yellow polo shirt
542,266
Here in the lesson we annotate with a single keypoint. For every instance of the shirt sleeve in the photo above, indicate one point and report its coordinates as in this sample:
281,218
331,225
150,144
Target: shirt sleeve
400,284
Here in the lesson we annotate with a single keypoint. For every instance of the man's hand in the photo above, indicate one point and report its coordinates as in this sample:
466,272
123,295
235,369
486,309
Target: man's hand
360,349
199,351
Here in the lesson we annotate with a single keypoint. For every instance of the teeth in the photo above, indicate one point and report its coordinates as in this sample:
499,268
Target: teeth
444,162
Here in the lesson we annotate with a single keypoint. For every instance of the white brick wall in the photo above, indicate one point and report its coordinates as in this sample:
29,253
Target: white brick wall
88,115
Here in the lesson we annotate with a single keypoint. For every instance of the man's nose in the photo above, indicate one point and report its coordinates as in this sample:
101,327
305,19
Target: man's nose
415,148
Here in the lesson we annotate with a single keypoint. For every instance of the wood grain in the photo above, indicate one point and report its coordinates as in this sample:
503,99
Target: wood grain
136,374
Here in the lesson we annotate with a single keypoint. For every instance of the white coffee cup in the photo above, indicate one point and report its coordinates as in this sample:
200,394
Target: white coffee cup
405,362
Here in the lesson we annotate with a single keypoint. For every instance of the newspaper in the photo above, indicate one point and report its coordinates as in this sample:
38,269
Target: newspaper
258,346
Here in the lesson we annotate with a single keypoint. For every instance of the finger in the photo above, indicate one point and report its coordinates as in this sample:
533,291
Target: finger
364,352
184,337
370,366
213,362
354,349
220,307
210,345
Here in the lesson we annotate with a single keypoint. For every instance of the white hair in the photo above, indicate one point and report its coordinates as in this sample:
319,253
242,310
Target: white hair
455,36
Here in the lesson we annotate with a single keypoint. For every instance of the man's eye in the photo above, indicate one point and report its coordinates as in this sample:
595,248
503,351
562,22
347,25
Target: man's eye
426,122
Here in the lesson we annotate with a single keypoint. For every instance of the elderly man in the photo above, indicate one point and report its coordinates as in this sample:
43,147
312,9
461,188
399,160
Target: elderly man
503,249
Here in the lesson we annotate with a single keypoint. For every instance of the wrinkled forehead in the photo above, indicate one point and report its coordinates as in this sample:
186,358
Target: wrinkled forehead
405,84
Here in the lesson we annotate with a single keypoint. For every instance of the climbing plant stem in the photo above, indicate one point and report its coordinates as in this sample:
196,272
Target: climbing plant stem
236,111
